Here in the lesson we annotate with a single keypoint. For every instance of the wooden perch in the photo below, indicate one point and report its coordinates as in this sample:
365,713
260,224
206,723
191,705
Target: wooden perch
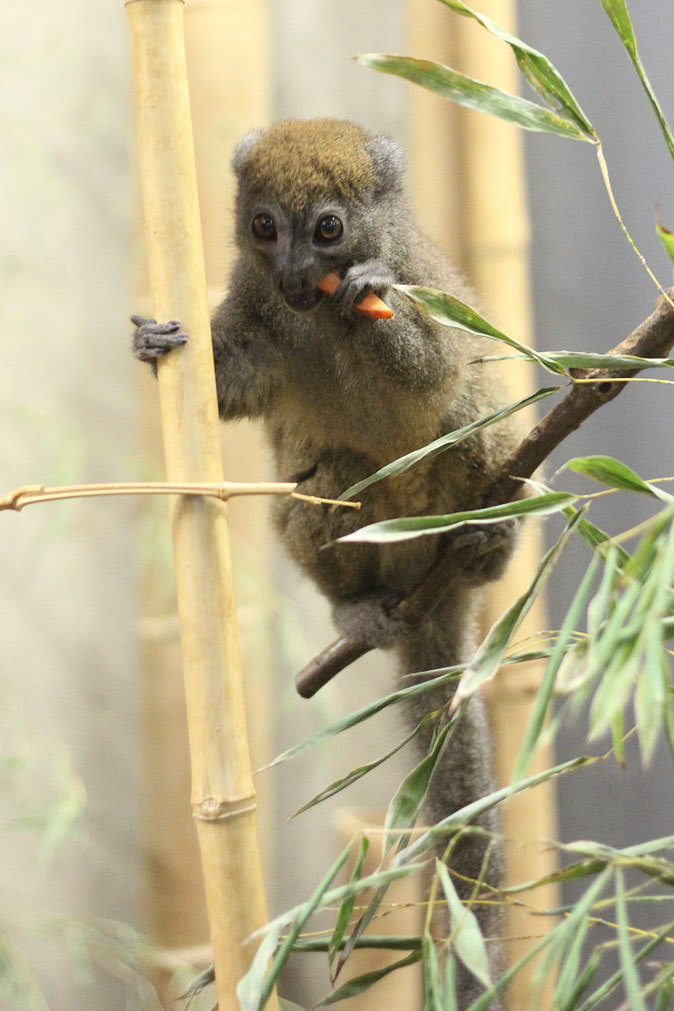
653,338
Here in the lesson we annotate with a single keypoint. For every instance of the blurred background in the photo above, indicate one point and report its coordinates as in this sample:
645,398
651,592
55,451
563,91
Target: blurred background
95,826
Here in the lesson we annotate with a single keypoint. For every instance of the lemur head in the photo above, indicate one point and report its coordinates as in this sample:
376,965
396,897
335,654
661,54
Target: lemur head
313,197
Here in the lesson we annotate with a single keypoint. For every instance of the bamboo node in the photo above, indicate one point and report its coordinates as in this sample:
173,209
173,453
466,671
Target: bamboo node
13,499
211,809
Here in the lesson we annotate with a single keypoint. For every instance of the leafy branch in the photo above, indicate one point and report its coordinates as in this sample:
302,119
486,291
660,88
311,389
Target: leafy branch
651,340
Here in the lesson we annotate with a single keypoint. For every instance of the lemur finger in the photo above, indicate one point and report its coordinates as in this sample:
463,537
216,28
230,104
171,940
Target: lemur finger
151,325
359,281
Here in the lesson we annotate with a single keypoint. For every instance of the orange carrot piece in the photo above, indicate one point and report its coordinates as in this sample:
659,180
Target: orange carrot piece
371,306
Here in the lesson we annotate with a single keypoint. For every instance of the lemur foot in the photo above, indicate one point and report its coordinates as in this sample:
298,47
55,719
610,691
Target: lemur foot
490,546
359,281
366,618
152,340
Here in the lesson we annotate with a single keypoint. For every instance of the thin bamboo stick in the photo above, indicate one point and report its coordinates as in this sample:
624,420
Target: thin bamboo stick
31,493
223,797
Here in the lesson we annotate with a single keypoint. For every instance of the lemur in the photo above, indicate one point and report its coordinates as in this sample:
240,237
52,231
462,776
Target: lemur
341,395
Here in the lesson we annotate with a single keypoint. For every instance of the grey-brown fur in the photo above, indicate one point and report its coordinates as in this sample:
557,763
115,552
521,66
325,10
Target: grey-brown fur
341,395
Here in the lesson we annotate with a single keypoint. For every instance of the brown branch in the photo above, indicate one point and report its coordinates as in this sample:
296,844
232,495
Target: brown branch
653,338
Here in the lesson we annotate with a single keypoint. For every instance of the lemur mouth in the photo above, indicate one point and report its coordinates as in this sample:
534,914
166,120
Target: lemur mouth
303,301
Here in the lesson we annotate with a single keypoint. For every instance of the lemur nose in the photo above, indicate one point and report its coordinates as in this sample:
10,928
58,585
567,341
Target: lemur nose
294,284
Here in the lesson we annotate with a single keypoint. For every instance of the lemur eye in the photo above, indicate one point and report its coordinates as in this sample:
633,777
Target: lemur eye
264,227
329,229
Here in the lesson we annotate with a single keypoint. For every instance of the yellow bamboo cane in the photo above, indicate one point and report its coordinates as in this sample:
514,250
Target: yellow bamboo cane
223,796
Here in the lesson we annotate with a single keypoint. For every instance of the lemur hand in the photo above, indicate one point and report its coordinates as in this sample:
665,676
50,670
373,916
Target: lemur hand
489,546
360,280
152,340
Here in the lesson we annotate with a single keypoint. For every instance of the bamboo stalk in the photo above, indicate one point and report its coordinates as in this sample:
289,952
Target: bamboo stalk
223,797
227,51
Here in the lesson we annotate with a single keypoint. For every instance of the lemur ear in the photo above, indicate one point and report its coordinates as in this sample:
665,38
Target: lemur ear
388,161
243,149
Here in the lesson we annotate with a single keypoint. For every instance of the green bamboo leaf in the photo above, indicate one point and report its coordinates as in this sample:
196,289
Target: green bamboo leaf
250,997
573,673
251,986
570,1002
600,851
381,942
617,363
648,548
451,1001
448,675
596,538
618,13
362,983
379,879
665,997
466,937
614,473
346,907
448,310
473,811
474,94
649,698
618,736
417,456
406,528
618,664
489,656
568,970
351,777
486,1001
539,72
627,647
545,692
408,799
597,612
572,872
64,816
568,362
666,238
668,711
563,933
595,999
442,677
360,928
433,996
630,975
